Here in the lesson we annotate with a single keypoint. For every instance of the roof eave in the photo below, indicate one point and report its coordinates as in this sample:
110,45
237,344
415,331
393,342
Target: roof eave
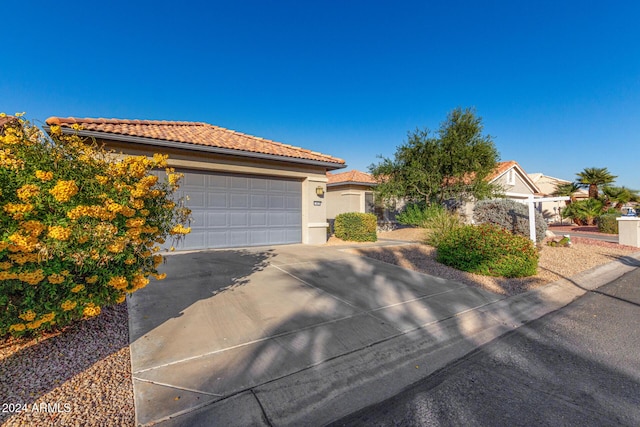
367,184
197,147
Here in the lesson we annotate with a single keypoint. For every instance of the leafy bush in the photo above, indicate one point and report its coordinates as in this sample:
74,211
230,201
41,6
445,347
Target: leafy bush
510,215
417,214
489,250
79,229
584,212
356,226
607,223
440,225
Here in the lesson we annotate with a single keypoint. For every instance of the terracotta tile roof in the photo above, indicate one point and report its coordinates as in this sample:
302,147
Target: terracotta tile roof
353,176
193,133
501,168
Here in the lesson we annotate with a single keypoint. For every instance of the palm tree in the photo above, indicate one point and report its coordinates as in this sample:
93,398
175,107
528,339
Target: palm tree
618,196
567,190
593,177
584,212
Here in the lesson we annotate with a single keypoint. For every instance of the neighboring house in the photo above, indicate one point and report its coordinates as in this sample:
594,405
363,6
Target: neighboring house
352,191
548,185
243,190
514,183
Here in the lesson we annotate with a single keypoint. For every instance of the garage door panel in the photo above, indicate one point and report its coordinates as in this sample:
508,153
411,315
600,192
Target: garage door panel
258,219
217,200
277,219
277,185
239,238
198,219
293,187
293,235
238,219
259,237
220,238
197,199
259,201
194,240
293,202
217,219
239,183
195,181
235,211
276,202
259,184
293,219
217,181
239,201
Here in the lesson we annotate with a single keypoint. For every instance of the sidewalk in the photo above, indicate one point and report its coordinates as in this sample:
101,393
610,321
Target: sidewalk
311,335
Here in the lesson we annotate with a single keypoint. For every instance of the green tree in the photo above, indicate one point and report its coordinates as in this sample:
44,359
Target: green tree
591,178
452,164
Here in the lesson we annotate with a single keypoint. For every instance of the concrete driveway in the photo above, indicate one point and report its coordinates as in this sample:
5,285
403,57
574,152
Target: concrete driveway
218,341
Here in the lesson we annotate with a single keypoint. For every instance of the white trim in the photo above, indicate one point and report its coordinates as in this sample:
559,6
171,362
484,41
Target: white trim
317,225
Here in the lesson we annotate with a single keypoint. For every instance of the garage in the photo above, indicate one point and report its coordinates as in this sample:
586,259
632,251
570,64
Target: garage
231,210
243,190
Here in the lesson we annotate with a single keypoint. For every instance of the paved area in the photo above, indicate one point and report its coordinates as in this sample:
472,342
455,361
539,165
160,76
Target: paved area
577,366
299,334
588,232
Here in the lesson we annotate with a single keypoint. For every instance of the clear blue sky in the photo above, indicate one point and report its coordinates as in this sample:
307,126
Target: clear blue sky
557,83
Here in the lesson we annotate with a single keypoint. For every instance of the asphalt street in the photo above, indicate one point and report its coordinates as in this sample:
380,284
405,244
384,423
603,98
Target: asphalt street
578,366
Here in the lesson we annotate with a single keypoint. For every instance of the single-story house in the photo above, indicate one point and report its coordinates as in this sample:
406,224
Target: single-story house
352,191
548,185
243,190
514,183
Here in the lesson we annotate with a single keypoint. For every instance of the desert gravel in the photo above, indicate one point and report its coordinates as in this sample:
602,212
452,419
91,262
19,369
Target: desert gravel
555,262
82,376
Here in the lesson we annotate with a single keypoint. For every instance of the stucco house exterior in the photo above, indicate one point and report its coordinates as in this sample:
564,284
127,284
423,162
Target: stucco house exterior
548,185
353,191
350,191
243,190
514,183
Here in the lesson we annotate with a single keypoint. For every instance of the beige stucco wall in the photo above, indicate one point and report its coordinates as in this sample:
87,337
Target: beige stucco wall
518,187
345,198
314,207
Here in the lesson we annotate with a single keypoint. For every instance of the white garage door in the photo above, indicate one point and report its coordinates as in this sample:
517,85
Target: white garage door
234,210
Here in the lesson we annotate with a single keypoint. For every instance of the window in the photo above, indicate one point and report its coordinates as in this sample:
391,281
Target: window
369,204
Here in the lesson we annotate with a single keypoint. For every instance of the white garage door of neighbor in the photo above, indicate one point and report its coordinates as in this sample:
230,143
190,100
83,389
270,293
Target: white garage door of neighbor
234,210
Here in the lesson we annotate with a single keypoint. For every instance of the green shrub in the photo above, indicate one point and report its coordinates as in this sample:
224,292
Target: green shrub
356,226
607,223
440,225
510,215
417,214
584,212
79,229
489,250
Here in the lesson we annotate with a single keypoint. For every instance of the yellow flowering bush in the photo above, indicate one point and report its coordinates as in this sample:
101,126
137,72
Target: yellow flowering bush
79,227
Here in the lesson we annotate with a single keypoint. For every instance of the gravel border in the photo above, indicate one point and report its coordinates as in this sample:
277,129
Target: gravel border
78,377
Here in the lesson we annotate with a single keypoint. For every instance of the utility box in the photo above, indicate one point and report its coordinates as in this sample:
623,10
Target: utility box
629,231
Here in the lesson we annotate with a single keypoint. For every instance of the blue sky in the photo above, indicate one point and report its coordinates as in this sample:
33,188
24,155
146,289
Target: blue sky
556,83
